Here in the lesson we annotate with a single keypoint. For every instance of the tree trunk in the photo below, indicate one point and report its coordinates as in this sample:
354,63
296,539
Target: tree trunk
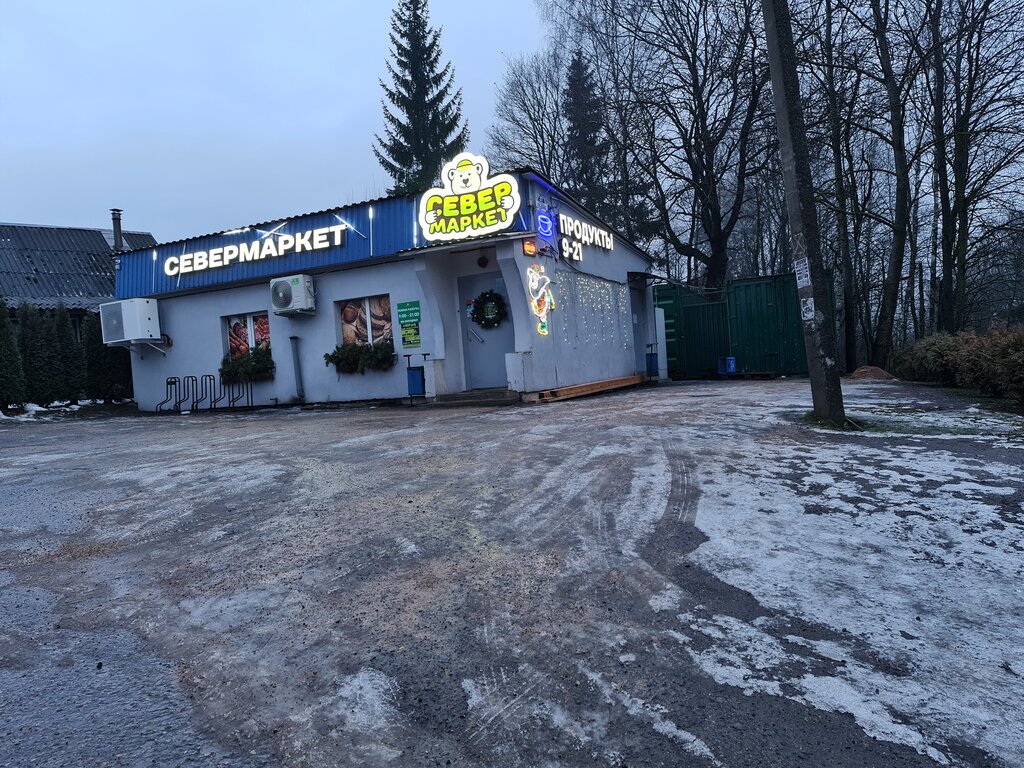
882,347
842,224
819,333
941,186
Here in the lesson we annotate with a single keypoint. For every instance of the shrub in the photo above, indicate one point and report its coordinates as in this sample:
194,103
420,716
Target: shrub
1005,365
993,363
71,382
930,359
12,380
108,370
40,361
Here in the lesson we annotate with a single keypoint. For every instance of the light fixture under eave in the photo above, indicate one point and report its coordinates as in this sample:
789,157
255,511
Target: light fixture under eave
529,247
349,226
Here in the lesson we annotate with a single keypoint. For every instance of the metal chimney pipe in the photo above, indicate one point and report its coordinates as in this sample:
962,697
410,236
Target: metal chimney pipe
115,215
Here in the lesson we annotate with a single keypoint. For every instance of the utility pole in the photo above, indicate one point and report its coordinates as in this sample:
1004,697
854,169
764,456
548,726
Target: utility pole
819,332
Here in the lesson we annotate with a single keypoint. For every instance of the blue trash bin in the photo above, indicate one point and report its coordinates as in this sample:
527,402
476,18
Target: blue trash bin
417,382
652,365
726,365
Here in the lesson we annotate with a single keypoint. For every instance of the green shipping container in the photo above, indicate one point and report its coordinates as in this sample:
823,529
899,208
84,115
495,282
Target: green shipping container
766,334
705,338
677,301
758,323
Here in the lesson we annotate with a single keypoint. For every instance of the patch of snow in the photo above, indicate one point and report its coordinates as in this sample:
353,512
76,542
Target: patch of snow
407,547
906,541
367,701
652,713
475,694
666,600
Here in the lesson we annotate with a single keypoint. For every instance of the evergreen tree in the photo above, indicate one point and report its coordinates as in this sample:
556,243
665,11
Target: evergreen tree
12,380
586,147
427,128
108,370
71,381
40,360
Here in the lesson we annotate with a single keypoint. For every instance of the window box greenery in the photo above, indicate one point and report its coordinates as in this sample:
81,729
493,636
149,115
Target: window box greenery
258,365
360,358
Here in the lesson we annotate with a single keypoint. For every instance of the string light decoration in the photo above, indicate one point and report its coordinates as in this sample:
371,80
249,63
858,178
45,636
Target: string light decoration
601,310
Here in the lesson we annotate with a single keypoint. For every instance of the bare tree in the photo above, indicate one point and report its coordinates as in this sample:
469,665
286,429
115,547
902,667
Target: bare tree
529,128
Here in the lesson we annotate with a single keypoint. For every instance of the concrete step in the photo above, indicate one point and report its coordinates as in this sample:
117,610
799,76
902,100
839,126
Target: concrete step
495,396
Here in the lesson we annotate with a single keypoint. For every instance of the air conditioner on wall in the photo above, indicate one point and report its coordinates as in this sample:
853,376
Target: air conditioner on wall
130,320
292,295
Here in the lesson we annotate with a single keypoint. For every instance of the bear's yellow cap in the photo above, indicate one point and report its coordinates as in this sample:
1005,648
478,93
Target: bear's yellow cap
464,164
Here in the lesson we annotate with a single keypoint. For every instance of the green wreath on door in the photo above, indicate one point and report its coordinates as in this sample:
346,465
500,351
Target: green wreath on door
489,309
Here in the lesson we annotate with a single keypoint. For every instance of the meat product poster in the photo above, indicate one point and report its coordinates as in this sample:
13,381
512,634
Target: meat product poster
261,331
238,336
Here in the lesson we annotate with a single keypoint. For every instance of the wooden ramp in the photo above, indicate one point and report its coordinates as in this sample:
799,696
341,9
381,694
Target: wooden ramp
564,393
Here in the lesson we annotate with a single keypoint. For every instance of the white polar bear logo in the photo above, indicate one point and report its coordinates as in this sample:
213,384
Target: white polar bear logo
482,205
467,176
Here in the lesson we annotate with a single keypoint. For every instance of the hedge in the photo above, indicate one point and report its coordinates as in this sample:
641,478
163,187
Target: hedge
993,363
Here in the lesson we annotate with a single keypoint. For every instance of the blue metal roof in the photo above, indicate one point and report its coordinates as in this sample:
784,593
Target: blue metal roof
393,229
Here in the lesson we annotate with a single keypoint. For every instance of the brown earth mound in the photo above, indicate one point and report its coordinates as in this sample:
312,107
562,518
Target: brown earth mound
871,373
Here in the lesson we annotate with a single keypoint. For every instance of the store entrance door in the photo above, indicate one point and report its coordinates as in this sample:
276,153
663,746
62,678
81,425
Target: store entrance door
484,348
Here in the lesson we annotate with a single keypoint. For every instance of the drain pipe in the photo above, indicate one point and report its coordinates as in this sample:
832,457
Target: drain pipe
300,391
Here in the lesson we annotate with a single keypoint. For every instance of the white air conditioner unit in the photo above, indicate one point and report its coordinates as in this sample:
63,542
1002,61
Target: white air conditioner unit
292,295
130,320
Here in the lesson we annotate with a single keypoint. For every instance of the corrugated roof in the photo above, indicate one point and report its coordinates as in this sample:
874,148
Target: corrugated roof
270,222
49,265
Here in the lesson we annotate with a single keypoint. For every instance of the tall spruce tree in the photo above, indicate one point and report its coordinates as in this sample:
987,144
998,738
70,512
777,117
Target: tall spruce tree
71,382
12,380
426,128
586,147
40,361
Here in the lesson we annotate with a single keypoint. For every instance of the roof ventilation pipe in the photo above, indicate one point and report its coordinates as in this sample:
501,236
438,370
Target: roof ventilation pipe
115,216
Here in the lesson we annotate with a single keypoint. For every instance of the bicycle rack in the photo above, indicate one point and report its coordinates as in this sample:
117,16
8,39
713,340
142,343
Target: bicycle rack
244,389
206,383
213,391
197,390
172,392
188,385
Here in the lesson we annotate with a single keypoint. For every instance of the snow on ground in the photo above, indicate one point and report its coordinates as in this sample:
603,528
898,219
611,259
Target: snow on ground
34,412
914,548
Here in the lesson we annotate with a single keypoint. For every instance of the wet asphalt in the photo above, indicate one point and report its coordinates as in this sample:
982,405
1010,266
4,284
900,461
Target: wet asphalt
386,587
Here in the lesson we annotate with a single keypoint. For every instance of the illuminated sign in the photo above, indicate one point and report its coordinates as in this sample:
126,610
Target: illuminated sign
542,300
470,204
269,246
545,224
576,234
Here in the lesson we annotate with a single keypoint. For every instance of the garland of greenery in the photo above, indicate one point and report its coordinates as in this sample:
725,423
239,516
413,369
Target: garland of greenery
360,358
257,365
489,309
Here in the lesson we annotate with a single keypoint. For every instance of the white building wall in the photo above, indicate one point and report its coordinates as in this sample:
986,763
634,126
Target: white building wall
196,326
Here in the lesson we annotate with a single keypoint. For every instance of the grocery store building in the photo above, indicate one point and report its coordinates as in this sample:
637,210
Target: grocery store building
488,282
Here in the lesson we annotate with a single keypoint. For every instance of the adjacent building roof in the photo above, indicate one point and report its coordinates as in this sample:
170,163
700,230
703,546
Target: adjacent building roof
45,266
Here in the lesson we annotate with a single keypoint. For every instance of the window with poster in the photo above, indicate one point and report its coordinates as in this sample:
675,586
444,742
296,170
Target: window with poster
366,320
248,356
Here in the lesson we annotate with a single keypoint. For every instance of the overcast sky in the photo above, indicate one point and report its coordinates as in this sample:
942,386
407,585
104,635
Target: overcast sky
201,115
